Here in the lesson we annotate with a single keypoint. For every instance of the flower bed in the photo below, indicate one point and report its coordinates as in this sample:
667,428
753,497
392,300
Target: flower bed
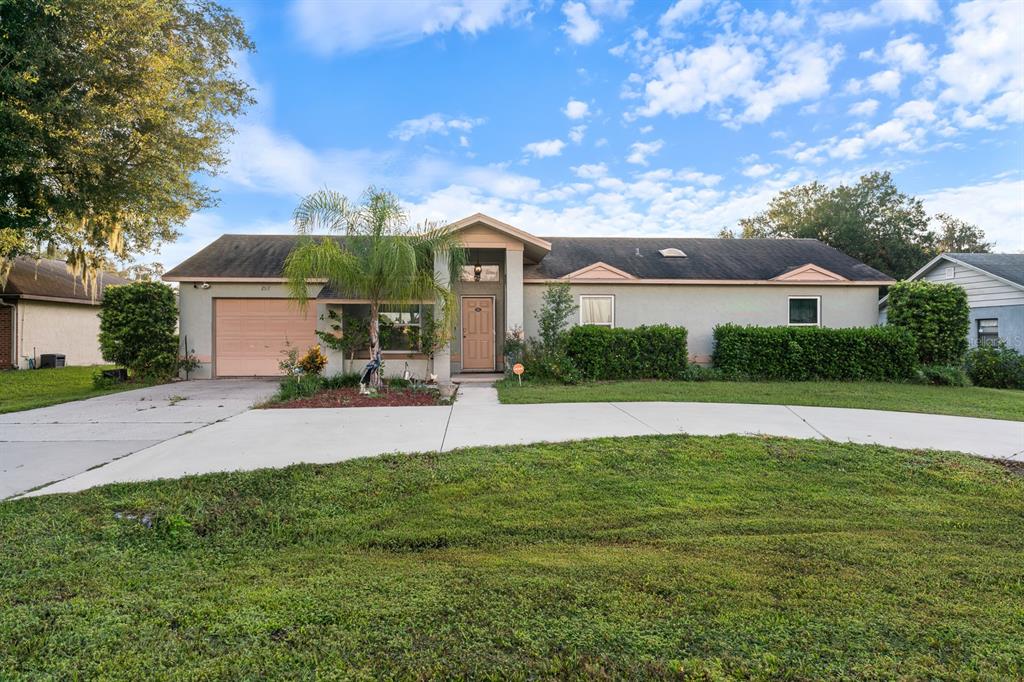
350,397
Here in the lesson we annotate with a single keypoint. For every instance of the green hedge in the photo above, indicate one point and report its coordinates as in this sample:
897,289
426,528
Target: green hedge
138,329
995,366
806,353
936,314
602,353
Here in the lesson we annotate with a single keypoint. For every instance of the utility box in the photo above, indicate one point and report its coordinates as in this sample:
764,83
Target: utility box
51,360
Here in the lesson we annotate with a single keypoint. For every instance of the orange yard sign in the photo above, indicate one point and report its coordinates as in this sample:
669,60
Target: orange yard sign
518,370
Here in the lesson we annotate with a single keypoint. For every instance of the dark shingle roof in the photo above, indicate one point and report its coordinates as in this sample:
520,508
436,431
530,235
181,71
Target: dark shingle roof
259,256
1009,266
50,279
725,259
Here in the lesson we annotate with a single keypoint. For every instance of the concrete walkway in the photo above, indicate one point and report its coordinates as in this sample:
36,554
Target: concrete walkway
277,438
52,443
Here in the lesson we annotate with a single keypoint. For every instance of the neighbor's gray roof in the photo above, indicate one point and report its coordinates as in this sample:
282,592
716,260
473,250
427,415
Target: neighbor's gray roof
1009,266
724,259
49,279
263,256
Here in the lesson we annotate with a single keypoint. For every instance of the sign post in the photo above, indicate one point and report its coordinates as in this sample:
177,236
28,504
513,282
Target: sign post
518,370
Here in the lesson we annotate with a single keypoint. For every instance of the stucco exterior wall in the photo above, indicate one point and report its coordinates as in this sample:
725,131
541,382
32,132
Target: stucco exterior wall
700,307
48,327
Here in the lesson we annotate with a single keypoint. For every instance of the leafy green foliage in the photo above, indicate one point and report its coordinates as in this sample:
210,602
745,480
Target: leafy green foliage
806,353
936,314
379,258
942,375
646,352
556,312
995,366
659,557
138,322
112,113
704,385
871,220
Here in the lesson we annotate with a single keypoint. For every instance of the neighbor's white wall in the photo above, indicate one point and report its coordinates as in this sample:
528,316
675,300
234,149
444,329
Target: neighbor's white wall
195,313
700,307
69,328
983,290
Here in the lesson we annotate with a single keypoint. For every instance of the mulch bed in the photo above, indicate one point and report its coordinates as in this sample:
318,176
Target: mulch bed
349,397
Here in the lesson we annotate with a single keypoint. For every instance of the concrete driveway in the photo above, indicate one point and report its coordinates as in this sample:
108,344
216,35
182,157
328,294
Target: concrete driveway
53,443
278,438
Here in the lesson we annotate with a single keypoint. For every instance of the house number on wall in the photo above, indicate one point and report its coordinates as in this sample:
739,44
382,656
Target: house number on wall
264,288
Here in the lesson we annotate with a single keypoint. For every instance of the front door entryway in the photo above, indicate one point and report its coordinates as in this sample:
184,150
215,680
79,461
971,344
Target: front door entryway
478,333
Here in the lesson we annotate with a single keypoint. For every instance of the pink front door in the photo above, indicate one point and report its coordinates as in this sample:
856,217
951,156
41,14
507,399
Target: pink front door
252,335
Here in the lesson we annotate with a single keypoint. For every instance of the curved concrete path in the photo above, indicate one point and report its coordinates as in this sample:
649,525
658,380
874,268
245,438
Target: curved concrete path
277,438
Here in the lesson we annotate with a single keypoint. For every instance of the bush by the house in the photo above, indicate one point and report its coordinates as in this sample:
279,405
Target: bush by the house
544,357
137,329
314,361
808,353
995,366
604,353
943,375
936,314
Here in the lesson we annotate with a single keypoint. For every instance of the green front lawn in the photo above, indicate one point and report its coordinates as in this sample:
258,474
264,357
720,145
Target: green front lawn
969,402
654,557
27,389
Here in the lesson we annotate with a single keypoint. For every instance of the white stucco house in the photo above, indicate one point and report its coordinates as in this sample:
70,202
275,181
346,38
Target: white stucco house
995,293
45,309
238,319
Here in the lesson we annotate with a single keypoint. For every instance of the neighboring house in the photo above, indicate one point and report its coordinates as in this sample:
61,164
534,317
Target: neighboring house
237,317
46,309
995,293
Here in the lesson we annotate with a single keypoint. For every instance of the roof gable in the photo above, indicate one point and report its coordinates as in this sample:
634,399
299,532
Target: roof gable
599,271
809,273
535,247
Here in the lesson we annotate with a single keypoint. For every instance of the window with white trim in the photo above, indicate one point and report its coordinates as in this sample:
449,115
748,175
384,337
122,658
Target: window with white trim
805,311
988,332
597,310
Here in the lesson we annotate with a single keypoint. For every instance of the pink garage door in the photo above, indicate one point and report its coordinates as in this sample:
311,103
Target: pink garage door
252,334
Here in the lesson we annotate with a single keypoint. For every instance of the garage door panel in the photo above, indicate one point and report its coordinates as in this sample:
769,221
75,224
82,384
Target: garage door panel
253,334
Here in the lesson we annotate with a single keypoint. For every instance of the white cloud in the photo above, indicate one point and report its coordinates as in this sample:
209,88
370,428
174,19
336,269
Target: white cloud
591,171
579,26
907,54
576,134
639,151
759,170
996,206
433,123
576,109
882,12
916,110
545,148
691,79
987,59
616,9
681,11
864,108
887,82
355,25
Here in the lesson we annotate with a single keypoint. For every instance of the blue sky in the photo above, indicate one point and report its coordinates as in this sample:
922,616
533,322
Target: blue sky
611,117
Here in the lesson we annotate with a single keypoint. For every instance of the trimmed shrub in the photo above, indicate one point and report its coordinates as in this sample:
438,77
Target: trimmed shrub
936,314
942,375
603,353
995,366
808,353
137,329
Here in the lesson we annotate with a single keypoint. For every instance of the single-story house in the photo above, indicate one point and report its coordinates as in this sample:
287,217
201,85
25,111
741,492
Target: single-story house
46,309
995,293
237,317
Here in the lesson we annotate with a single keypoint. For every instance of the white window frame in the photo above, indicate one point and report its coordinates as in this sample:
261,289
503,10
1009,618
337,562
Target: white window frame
597,324
977,329
803,324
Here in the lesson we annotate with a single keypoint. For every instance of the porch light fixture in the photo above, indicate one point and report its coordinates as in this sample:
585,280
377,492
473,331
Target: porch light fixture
477,271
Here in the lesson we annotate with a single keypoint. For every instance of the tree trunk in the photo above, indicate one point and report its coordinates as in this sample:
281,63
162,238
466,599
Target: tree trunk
375,375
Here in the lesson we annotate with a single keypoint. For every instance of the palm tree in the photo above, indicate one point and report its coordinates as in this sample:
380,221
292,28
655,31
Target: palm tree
380,258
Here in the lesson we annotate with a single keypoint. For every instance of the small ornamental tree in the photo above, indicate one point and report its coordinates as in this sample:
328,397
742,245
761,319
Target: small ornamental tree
556,311
938,317
138,322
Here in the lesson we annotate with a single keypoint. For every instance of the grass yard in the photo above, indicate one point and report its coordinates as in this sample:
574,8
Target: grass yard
992,403
653,557
27,389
